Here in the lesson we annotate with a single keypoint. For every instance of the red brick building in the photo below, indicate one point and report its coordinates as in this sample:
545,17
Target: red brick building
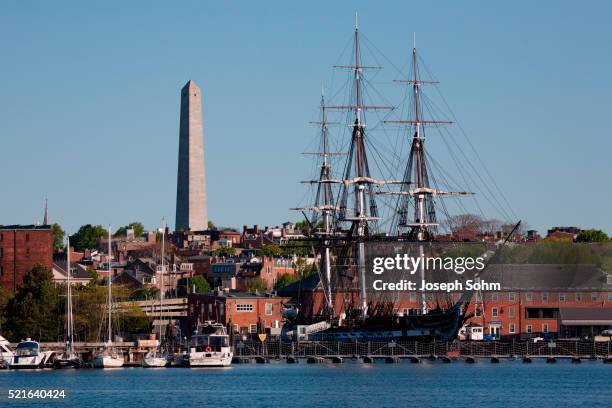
268,269
241,312
21,248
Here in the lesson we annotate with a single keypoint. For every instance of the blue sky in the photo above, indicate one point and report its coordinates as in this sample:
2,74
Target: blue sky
89,100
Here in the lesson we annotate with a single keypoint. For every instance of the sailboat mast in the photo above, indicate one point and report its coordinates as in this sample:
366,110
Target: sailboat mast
161,286
68,298
109,287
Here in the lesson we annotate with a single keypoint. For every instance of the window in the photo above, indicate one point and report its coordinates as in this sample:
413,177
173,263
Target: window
1,252
1,237
494,296
529,296
512,328
268,309
1,270
27,237
561,297
594,296
244,307
610,296
544,296
529,328
412,297
236,329
27,252
511,296
578,297
253,328
544,327
494,312
477,312
511,312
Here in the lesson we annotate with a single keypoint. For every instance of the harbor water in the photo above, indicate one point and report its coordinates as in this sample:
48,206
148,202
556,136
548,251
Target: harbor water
351,384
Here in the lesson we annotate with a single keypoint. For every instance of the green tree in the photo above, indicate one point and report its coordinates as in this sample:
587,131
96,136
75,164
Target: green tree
87,237
303,226
225,251
94,278
201,284
145,294
5,297
58,237
270,250
302,269
137,226
34,310
211,226
132,319
256,285
284,280
592,235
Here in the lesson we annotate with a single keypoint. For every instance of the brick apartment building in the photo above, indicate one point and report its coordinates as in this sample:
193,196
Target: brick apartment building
244,313
21,248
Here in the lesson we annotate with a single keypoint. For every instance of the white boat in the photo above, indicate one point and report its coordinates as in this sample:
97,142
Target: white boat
29,355
109,357
6,354
210,347
155,358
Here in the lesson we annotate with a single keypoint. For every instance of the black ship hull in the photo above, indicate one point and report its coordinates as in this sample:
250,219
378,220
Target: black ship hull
437,325
67,363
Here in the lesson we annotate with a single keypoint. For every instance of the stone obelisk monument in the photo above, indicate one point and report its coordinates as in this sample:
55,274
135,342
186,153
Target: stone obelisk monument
191,209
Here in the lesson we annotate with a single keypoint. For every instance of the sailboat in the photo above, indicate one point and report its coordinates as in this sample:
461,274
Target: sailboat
68,359
155,358
109,357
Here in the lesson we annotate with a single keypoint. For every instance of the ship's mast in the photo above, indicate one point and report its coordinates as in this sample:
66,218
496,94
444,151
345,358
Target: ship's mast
327,206
324,203
416,186
359,176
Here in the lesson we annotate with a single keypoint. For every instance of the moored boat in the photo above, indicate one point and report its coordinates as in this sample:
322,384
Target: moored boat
68,359
210,347
108,357
29,355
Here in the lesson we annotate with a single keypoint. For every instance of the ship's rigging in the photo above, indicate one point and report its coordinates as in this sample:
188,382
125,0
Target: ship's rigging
346,210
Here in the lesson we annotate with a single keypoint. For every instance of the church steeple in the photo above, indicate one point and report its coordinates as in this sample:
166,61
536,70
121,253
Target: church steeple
46,217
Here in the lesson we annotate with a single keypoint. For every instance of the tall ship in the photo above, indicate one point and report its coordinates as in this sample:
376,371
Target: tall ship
347,224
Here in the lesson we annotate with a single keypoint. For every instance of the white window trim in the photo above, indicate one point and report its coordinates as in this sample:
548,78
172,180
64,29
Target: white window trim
244,307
